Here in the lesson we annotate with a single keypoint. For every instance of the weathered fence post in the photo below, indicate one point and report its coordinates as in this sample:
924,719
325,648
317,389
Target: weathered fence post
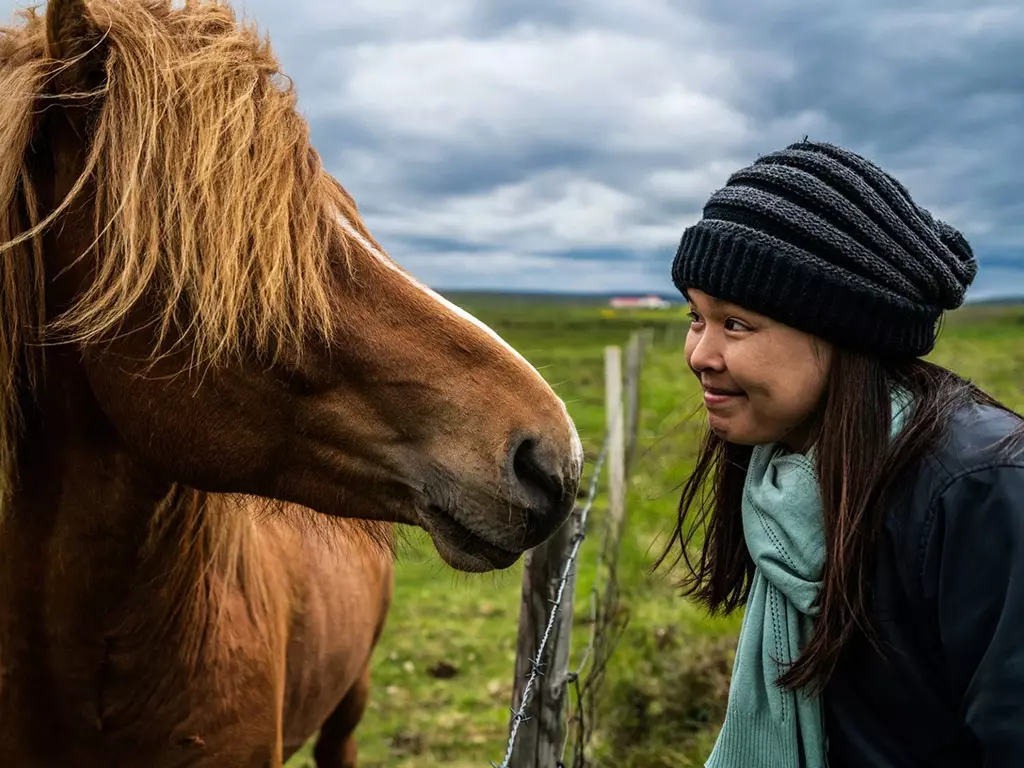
616,437
542,735
673,333
634,364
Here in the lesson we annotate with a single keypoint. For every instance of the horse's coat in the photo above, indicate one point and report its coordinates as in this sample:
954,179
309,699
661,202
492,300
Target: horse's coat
201,345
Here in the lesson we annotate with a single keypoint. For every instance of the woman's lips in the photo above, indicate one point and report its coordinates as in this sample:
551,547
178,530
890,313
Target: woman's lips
715,397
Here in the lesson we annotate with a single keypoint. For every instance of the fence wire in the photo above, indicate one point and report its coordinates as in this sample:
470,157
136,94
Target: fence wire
519,716
608,622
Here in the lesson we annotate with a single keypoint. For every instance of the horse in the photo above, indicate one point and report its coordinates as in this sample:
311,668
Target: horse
219,396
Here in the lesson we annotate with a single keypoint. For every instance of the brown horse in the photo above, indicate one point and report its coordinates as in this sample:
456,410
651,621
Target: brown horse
201,345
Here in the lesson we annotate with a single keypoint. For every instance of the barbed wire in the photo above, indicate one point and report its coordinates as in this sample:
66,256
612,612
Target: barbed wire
603,609
606,632
573,677
607,624
519,716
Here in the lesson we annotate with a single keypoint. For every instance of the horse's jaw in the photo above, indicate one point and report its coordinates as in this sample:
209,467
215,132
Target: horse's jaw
460,547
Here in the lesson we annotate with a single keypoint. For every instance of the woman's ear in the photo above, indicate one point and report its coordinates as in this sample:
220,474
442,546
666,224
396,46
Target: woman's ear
822,351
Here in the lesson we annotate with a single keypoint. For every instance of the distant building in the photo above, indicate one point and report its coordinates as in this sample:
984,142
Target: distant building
639,302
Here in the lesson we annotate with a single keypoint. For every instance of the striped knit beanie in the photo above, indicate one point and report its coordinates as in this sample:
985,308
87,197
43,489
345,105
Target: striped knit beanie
821,239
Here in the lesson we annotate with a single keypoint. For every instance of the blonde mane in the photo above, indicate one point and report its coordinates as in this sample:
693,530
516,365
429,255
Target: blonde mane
209,198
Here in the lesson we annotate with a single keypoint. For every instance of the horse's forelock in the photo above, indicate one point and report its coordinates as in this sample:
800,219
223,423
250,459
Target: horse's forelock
207,188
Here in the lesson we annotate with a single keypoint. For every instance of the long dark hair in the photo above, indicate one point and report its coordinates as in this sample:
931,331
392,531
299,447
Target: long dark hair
858,466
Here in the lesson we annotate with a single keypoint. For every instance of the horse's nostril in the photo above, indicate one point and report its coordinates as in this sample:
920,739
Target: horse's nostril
538,475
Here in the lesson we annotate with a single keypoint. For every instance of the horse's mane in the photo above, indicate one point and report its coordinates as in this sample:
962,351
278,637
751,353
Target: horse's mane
216,546
209,198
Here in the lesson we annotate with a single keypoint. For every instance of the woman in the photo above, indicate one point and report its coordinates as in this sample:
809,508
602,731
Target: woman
866,507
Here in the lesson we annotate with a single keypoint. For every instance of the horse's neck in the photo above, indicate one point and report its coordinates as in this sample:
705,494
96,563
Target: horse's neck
97,537
117,587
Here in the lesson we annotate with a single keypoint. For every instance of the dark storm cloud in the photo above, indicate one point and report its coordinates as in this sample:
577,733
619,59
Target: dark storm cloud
533,142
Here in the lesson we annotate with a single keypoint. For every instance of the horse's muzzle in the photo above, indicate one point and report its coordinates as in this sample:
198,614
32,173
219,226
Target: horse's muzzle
543,483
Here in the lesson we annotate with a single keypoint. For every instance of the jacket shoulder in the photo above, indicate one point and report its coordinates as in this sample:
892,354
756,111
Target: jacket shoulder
966,464
970,444
969,575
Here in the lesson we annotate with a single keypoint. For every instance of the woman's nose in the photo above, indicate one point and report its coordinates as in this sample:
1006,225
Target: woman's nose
705,352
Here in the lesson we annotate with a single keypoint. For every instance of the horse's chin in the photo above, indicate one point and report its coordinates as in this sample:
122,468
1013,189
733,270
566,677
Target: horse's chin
461,548
467,562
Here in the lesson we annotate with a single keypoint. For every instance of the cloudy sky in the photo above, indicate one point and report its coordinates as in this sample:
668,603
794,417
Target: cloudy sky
565,144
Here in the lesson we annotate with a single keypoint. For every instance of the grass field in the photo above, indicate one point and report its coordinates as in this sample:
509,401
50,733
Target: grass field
443,674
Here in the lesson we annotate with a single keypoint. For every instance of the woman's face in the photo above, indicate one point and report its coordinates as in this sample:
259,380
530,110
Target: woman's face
763,381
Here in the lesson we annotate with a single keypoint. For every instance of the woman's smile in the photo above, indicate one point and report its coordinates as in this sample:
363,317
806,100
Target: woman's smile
715,398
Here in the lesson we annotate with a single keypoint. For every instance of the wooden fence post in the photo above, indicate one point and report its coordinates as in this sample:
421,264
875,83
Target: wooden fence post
613,405
541,737
674,334
634,364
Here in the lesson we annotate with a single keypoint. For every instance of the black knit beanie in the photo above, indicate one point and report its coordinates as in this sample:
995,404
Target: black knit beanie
823,240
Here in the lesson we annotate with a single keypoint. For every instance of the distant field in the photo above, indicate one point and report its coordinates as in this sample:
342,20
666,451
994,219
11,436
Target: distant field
667,682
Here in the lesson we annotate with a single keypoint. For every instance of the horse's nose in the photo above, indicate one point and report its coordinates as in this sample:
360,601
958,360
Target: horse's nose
543,481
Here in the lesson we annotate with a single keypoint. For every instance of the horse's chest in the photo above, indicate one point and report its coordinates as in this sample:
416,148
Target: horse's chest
223,667
146,691
319,673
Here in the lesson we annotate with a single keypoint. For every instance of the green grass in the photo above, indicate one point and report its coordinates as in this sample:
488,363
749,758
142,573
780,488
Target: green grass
665,690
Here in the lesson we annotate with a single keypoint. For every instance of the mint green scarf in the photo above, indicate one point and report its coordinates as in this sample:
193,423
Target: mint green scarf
766,726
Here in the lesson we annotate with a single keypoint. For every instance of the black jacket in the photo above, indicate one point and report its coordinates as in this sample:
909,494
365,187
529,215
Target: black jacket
948,598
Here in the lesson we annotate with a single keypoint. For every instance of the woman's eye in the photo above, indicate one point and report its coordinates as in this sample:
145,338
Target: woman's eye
732,324
694,317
